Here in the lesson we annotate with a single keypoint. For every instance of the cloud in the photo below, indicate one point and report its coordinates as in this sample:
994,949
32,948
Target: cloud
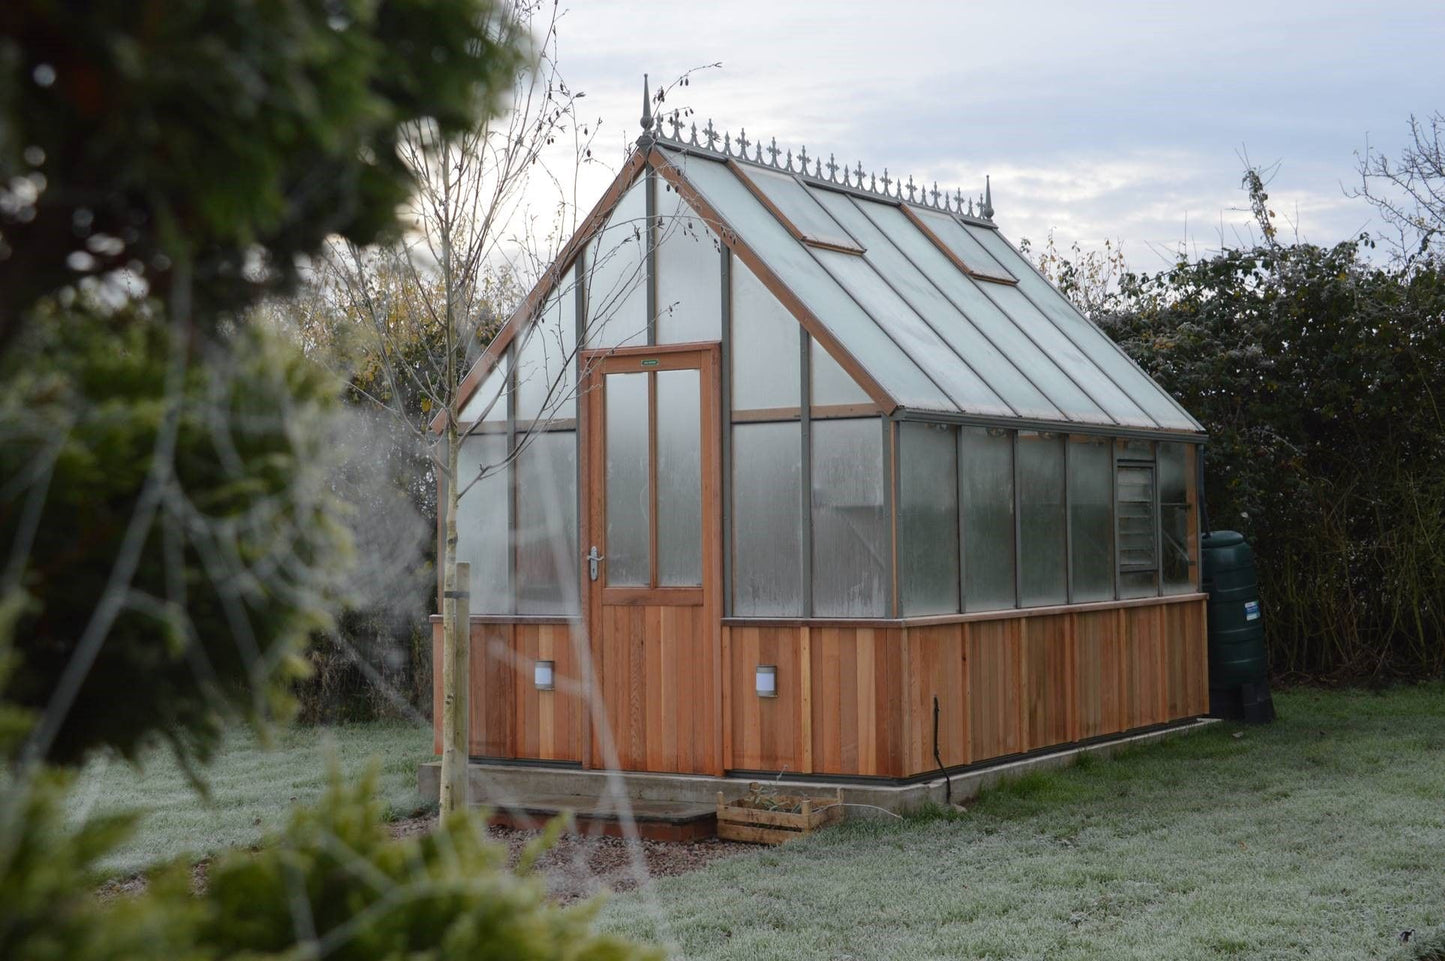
1123,120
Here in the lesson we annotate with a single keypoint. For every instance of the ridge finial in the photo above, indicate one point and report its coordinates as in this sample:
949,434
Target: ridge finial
646,105
987,209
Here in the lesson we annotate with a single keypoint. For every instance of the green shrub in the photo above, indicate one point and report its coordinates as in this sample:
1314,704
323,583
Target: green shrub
245,540
1318,376
333,884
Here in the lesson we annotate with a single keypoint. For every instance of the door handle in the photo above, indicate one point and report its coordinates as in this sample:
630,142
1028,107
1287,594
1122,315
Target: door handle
592,560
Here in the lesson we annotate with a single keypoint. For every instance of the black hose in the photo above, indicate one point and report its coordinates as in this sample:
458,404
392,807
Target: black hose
947,781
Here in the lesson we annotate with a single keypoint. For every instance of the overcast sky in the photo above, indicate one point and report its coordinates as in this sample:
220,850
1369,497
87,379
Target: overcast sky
1100,120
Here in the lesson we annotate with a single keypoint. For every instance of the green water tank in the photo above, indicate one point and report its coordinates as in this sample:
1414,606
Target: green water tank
1238,663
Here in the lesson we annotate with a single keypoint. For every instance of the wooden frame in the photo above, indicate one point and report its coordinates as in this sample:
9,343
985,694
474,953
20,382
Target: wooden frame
657,650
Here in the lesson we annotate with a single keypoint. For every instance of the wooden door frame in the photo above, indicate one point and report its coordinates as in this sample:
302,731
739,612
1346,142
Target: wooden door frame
705,357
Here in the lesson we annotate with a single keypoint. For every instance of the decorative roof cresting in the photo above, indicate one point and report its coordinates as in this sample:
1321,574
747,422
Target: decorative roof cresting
689,137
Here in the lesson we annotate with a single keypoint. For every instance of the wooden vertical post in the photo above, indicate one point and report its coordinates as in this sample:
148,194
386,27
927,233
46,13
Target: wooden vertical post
456,680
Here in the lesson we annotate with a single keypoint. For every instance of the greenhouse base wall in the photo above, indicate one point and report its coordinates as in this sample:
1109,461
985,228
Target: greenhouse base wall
849,699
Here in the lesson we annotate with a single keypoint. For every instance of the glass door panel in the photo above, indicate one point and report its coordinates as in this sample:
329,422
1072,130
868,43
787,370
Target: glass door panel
679,478
629,496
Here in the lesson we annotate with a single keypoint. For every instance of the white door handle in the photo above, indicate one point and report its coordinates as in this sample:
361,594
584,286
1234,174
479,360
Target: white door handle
592,559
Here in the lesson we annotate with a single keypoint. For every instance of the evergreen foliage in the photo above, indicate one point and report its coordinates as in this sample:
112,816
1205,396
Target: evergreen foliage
1320,377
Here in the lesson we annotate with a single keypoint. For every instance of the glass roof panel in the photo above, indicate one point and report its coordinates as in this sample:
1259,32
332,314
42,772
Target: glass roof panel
1028,357
986,360
893,314
965,246
1104,353
808,220
1067,355
895,372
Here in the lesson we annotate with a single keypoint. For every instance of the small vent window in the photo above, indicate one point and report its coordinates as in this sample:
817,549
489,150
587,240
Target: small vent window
791,202
1138,527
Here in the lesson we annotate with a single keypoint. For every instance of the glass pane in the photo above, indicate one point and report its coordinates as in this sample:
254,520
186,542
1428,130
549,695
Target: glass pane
546,383
1178,535
963,245
986,316
764,346
1135,512
988,518
482,537
689,272
909,331
831,383
1001,377
489,403
767,570
912,334
1091,512
794,202
547,523
928,519
1067,355
629,561
850,531
1153,404
617,275
679,479
853,328
1041,519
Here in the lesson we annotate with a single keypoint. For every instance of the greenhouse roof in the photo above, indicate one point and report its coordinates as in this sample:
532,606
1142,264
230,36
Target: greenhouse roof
914,291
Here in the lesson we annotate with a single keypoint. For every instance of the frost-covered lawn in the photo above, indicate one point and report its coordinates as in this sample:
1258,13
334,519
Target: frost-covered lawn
252,787
1320,837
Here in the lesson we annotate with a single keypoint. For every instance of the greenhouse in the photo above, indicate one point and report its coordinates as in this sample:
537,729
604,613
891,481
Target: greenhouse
783,467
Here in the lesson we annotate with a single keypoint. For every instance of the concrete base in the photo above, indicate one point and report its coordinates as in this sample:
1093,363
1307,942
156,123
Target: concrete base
519,787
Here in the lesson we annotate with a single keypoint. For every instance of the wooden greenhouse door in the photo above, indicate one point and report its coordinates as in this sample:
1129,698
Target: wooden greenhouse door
652,558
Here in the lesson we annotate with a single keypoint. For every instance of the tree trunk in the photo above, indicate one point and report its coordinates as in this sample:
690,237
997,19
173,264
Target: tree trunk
456,646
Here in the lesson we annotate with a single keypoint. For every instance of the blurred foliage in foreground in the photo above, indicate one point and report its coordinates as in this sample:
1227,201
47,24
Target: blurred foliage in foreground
240,540
227,136
333,884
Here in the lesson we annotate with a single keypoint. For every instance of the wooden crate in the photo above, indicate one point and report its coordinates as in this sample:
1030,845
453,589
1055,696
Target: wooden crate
736,821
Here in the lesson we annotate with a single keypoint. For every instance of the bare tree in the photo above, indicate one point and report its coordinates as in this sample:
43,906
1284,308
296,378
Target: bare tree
1409,192
423,308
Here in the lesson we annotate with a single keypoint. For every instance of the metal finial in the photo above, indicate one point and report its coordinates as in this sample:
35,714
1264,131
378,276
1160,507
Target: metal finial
859,173
693,141
873,182
935,193
911,188
710,132
958,200
646,112
773,151
803,159
727,145
790,161
886,181
970,206
987,209
743,142
758,151
818,168
833,169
